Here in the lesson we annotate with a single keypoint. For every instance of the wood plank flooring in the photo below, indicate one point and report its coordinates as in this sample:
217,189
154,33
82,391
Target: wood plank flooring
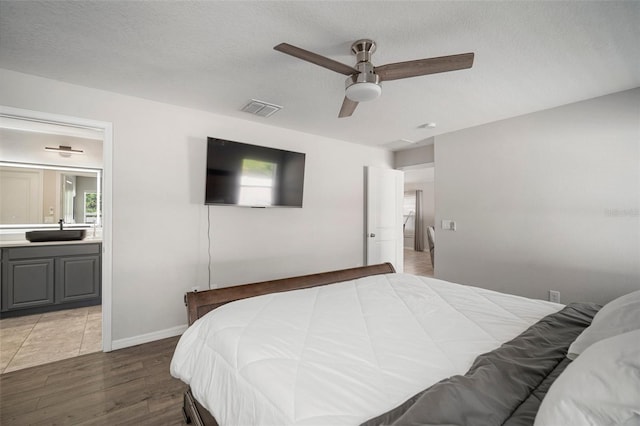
417,262
130,386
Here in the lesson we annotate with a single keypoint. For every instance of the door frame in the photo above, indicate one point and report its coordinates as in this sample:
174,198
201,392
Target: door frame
107,191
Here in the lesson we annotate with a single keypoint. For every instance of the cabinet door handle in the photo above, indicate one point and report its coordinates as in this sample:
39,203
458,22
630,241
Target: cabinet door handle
372,235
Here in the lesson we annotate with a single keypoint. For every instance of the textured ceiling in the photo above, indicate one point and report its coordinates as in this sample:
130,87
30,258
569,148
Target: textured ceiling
216,56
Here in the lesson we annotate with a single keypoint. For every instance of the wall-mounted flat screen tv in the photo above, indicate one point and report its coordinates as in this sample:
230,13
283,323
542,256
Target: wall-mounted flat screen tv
240,174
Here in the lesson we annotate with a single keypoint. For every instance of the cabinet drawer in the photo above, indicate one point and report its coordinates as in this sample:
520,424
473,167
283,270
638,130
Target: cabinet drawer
51,251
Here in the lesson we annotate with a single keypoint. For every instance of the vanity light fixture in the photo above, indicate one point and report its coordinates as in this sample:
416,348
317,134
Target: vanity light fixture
64,150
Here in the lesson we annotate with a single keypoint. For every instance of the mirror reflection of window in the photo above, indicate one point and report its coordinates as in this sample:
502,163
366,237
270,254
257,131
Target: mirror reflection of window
90,207
257,182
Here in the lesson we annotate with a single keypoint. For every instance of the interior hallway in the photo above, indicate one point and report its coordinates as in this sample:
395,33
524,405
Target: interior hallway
43,338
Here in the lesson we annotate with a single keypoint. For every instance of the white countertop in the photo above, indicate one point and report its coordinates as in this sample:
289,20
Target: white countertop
24,242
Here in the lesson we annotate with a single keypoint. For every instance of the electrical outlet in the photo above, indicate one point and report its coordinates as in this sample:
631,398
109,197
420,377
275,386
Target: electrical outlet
554,296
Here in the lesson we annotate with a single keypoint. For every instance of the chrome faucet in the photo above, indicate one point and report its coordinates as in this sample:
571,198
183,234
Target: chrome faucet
61,222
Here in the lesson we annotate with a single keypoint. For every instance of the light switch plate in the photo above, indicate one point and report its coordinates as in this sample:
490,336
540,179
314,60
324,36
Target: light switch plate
449,225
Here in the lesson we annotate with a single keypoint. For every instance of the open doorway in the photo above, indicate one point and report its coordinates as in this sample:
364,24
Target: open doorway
418,215
56,295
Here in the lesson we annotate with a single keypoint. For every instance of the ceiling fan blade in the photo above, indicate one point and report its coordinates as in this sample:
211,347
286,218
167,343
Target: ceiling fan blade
348,106
314,58
424,66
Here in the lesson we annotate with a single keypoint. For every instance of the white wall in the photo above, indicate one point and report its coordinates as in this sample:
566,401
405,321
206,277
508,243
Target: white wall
549,200
160,222
414,156
28,147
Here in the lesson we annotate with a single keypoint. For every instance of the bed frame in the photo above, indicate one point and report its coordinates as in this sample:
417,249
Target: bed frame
201,302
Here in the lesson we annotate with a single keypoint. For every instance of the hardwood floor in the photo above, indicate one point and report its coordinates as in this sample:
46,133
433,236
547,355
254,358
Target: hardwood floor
130,386
417,262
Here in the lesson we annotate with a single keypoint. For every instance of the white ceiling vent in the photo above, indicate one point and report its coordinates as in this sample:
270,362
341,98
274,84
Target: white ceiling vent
261,108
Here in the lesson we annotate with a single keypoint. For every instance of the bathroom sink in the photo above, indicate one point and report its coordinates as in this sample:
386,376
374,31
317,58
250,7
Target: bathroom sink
56,235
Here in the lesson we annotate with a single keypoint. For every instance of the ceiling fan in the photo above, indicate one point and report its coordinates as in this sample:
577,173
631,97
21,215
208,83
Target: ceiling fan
363,81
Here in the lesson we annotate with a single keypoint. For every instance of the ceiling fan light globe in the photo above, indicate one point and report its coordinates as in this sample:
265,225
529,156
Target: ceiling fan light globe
363,92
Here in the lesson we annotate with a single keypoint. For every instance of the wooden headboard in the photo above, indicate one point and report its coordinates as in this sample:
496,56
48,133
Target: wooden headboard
200,302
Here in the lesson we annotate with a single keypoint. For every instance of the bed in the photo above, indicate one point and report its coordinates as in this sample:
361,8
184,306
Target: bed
367,346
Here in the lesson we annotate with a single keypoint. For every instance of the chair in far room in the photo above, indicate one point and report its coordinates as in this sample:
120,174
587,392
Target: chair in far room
431,236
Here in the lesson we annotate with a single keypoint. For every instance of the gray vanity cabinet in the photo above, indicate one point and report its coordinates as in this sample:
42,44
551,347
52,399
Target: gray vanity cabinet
50,277
31,284
77,278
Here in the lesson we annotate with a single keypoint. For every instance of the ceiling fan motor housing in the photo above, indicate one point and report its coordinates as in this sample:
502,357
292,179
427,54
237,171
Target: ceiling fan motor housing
363,49
365,85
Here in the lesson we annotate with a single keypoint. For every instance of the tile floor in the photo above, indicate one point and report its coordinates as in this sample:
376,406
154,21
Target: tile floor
42,338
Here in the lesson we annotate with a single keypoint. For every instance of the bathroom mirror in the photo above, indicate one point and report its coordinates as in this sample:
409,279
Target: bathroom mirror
34,195
49,171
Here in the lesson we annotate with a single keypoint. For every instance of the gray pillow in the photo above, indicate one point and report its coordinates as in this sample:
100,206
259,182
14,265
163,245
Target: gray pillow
616,317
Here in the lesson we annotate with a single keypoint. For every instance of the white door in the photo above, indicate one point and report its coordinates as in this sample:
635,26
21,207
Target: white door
384,197
20,196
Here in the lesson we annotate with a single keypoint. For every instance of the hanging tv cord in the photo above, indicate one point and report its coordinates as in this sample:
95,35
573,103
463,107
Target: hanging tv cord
209,245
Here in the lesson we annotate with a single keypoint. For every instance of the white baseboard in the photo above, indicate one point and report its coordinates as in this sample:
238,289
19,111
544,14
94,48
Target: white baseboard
149,337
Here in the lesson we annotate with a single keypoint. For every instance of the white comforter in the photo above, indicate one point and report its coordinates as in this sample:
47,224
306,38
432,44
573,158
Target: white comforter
343,353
